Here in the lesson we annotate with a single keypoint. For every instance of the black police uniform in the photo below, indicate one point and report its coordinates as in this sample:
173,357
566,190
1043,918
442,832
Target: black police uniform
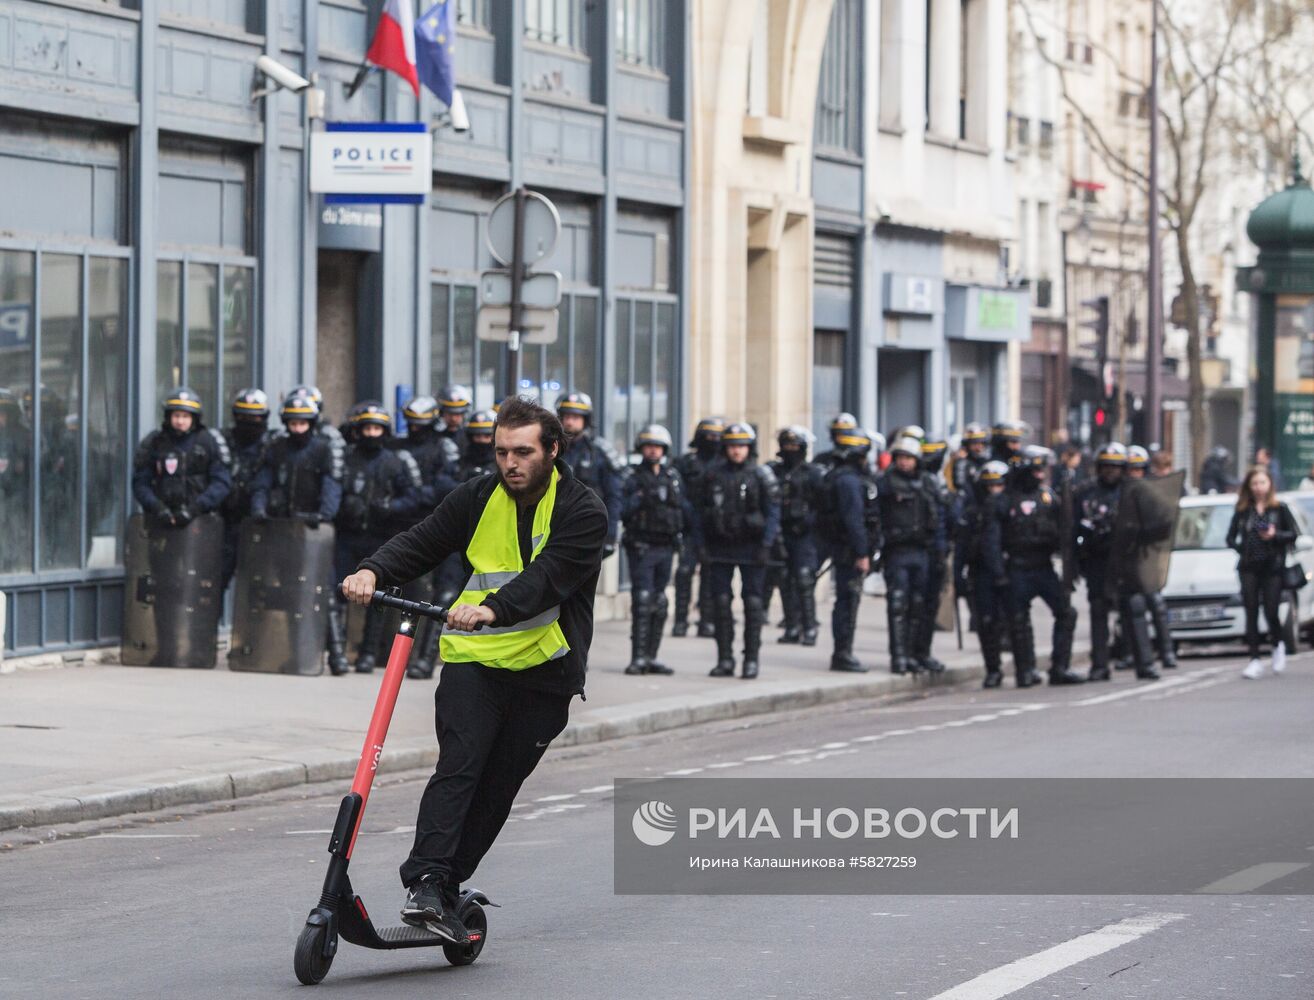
848,523
986,592
1095,510
909,518
381,495
692,467
946,522
596,464
247,441
966,471
176,477
801,483
738,519
1021,541
655,512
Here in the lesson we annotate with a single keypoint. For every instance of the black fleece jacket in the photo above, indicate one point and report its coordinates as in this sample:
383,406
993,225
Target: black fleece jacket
565,572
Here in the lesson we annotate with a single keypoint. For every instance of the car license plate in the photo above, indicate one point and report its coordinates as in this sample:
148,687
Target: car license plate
1199,613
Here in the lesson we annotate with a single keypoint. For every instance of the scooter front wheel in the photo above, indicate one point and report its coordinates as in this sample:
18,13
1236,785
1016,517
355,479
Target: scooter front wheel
476,922
310,962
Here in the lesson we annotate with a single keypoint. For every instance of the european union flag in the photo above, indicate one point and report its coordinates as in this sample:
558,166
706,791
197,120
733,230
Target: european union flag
435,43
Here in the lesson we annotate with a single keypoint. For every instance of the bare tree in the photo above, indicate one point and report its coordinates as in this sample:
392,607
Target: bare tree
1234,71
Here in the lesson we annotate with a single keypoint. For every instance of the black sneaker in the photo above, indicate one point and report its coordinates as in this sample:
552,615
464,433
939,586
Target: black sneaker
427,907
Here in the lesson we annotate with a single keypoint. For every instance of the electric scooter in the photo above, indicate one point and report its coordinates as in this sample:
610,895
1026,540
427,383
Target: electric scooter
341,913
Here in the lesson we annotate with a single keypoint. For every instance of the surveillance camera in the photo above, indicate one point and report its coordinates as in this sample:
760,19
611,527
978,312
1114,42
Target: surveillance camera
281,75
460,120
883,211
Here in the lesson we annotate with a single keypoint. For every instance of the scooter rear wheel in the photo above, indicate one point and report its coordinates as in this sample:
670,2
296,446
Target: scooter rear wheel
309,962
474,919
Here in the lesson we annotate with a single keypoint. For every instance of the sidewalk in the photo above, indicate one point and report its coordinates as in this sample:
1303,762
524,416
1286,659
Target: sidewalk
83,743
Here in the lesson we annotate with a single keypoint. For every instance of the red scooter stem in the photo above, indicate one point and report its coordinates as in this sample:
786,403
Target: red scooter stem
383,706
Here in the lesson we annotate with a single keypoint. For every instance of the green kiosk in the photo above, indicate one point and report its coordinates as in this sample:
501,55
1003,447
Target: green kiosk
1282,282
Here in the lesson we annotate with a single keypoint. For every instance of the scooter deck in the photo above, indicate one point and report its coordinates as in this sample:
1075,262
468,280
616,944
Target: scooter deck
355,926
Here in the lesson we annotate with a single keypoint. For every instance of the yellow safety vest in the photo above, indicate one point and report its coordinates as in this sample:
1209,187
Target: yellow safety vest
494,557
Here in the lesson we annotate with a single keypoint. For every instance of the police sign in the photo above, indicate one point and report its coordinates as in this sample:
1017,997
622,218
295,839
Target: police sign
380,162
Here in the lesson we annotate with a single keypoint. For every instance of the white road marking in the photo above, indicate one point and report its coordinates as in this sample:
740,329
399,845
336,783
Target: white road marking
1010,978
299,833
151,836
556,798
683,771
1132,692
834,746
1249,879
1188,688
726,763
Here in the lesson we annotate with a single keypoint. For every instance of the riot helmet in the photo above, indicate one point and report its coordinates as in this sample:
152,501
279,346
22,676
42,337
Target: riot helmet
974,434
366,414
854,444
653,434
707,434
299,408
739,433
480,423
421,413
183,399
794,442
312,391
993,472
455,398
251,406
840,423
1138,461
576,402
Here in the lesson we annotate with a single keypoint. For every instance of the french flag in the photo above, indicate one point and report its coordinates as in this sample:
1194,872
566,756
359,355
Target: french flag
393,46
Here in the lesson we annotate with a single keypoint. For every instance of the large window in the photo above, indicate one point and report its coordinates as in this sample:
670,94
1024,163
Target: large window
827,379
63,419
641,32
556,22
205,278
204,329
643,371
838,102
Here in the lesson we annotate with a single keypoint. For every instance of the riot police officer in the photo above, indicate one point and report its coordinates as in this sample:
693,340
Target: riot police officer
381,494
454,405
1021,542
968,466
436,457
181,470
848,522
247,439
655,513
1135,605
908,522
800,487
986,595
298,478
946,520
1095,509
693,466
1006,441
15,484
324,427
738,518
593,461
839,424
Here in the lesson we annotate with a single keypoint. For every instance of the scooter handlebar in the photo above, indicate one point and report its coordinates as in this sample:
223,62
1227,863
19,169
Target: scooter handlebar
382,598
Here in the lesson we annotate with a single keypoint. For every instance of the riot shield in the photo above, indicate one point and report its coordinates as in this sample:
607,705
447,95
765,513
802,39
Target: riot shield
1143,534
945,612
1067,523
173,595
281,601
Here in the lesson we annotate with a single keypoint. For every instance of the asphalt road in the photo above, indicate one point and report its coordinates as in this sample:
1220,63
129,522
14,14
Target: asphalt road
209,903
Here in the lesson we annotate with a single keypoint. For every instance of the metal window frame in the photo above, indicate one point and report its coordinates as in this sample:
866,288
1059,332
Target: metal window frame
222,261
628,46
552,29
84,252
629,302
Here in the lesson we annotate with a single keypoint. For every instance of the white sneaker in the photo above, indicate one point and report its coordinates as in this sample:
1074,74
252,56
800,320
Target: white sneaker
1253,671
1279,662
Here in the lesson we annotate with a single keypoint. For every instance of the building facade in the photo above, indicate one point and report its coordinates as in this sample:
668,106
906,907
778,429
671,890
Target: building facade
163,233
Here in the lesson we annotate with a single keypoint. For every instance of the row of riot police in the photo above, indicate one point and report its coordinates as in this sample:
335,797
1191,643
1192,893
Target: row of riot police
306,495
1013,525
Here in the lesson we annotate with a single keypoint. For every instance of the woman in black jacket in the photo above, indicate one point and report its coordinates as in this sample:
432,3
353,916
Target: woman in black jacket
1261,531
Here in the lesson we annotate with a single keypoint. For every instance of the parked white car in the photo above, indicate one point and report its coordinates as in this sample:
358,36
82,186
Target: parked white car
1203,593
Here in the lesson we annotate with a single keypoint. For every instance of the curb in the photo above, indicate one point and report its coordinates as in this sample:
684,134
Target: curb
60,807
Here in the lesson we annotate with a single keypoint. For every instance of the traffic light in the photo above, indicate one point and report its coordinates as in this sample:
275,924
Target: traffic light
1099,323
1101,416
